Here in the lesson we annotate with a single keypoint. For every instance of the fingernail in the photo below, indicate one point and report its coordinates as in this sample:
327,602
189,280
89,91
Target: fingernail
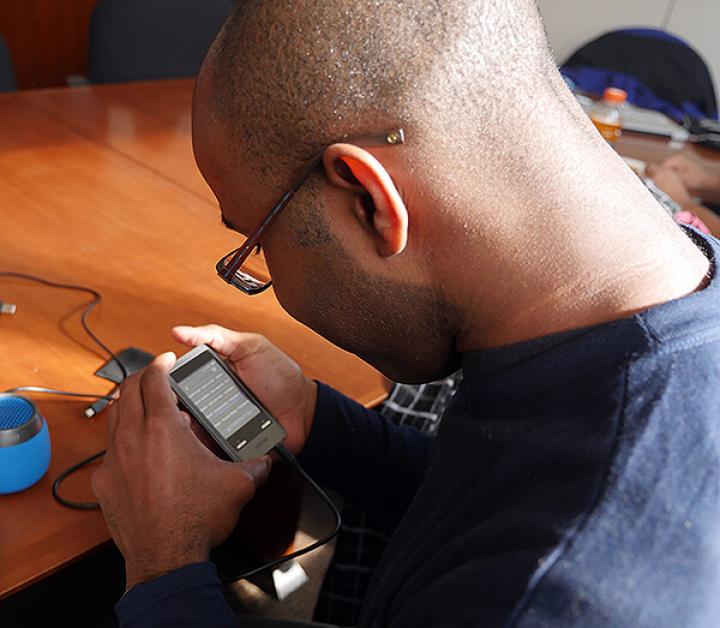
168,358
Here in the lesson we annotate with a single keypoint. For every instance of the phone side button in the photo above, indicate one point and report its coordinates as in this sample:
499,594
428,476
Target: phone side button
241,444
266,425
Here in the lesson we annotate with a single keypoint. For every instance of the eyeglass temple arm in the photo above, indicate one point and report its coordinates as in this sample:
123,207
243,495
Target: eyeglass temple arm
254,240
391,138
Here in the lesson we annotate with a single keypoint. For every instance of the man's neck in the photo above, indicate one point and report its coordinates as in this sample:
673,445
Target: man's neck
573,265
554,232
573,298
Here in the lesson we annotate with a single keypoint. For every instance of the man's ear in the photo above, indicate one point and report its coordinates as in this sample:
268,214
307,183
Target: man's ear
377,203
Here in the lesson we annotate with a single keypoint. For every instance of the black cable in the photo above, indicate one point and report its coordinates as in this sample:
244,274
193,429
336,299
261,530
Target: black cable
290,459
96,299
68,472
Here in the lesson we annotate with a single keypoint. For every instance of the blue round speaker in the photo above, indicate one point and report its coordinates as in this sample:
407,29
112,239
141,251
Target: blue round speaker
24,444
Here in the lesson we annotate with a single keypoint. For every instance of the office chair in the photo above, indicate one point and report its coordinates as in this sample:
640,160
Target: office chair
134,40
658,70
7,74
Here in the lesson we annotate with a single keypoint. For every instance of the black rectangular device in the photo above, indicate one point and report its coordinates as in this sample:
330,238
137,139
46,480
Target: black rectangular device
224,406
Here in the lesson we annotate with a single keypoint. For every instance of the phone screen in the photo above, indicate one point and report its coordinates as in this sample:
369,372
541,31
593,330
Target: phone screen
216,399
219,399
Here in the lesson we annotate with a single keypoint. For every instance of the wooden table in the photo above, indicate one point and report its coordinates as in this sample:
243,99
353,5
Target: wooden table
98,186
654,149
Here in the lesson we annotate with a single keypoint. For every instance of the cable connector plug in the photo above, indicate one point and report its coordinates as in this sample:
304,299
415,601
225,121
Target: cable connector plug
7,309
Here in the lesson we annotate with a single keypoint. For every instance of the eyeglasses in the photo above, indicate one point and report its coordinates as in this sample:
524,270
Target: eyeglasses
245,267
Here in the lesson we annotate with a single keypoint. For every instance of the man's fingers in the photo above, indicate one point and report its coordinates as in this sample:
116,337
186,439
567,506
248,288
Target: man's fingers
229,344
258,470
240,480
128,408
676,160
186,335
212,335
111,418
201,434
652,170
680,164
157,395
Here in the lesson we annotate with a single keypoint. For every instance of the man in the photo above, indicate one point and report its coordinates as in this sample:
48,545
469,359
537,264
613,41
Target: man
574,480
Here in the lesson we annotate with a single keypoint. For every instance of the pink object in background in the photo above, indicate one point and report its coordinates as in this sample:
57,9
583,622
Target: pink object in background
688,218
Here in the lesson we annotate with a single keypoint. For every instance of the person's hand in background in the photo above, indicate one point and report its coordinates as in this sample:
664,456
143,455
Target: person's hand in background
166,498
277,381
699,179
670,182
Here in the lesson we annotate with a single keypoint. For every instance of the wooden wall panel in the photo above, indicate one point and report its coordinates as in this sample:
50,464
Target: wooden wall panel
47,39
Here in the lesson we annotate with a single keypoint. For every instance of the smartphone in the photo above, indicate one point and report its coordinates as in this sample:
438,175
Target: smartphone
224,405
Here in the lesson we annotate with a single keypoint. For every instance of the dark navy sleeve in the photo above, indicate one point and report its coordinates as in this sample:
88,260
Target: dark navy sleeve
191,596
370,461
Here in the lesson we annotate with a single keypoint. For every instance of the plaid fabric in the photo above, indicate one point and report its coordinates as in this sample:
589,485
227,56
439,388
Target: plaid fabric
362,541
666,202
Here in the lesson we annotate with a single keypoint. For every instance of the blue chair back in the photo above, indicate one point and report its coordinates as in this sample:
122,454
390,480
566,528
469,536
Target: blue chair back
7,74
658,70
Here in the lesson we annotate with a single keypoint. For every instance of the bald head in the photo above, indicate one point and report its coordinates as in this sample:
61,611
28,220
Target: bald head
502,202
290,76
360,255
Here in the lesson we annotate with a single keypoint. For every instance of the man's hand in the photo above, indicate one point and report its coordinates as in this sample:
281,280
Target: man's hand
698,179
166,498
275,379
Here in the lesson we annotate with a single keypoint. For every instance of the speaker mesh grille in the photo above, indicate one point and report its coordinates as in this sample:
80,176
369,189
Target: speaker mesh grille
14,413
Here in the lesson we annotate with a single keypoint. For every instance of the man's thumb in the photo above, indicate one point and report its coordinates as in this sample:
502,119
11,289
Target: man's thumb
258,469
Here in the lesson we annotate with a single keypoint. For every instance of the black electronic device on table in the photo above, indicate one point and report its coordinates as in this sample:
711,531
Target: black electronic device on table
224,406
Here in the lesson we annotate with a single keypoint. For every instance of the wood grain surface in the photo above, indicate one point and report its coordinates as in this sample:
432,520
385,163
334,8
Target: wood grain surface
98,186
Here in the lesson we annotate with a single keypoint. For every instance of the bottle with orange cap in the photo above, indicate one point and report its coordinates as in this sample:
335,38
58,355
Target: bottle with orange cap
607,114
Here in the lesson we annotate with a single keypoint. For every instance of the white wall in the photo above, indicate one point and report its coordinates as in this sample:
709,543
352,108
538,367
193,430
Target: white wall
698,21
571,23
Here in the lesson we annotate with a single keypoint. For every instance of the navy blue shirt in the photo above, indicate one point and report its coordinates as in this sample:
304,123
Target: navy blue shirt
575,481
